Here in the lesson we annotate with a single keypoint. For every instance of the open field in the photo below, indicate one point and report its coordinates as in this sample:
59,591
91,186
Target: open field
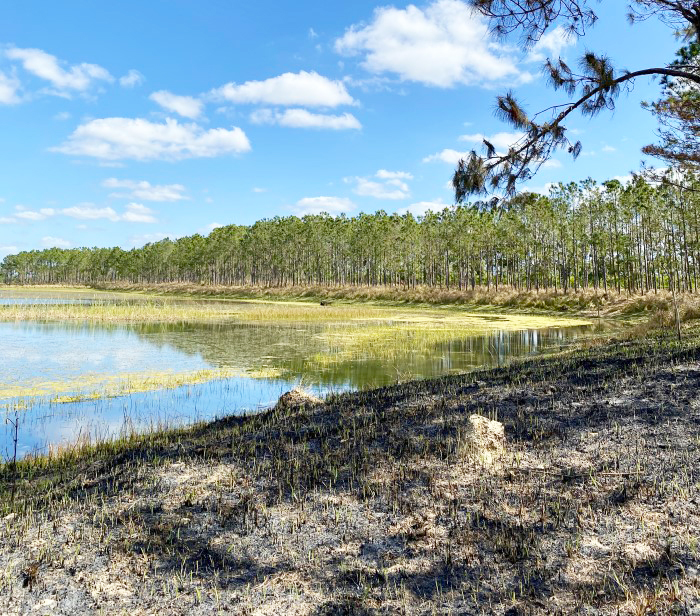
373,504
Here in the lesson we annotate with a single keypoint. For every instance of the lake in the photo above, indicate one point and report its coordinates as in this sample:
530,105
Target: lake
89,377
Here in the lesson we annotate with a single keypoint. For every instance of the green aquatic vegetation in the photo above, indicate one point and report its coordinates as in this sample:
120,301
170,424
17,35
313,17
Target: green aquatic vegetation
423,332
97,386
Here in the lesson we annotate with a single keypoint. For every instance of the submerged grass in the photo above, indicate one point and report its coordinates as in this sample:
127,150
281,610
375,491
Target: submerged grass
370,503
98,386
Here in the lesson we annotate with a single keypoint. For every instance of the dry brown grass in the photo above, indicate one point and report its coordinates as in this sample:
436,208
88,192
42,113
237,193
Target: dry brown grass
584,303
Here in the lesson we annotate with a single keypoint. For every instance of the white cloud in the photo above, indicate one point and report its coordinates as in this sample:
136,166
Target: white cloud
442,45
186,106
384,185
608,148
78,77
149,238
33,215
626,179
257,189
211,226
55,242
501,141
301,118
131,79
7,220
145,190
383,174
139,139
9,85
8,250
446,156
303,88
136,212
62,116
422,207
552,163
551,45
87,211
540,190
318,205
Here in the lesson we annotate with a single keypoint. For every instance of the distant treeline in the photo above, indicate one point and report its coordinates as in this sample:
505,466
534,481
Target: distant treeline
638,237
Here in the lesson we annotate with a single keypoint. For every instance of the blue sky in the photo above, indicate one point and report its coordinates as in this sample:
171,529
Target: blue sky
126,122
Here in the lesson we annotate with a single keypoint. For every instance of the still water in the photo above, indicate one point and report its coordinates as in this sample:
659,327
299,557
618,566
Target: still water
53,372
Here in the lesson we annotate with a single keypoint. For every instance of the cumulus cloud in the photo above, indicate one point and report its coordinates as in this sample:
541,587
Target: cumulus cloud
442,45
138,139
552,163
186,106
210,227
303,88
393,175
551,45
136,212
24,213
132,79
87,211
301,118
423,207
149,238
55,242
501,141
8,250
318,205
447,155
9,87
383,185
78,77
145,190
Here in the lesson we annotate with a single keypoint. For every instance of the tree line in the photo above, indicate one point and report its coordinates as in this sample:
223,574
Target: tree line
638,237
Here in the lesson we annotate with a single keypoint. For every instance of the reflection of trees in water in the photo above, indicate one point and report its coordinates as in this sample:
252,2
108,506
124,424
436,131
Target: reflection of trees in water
294,351
300,351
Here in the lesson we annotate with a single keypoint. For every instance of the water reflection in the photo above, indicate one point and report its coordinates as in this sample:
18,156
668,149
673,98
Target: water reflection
37,353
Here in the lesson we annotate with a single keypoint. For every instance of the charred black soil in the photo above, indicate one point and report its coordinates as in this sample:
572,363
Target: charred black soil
373,503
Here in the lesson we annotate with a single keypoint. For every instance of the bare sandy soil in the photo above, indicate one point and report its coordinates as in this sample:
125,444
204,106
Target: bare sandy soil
376,503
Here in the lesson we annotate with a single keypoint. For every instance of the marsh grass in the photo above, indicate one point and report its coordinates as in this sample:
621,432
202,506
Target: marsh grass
98,386
586,303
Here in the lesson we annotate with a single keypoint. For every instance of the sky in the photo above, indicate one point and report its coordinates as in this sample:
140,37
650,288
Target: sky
125,122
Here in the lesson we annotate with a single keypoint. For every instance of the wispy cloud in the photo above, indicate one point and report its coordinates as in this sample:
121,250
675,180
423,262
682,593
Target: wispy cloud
145,190
186,106
301,118
318,205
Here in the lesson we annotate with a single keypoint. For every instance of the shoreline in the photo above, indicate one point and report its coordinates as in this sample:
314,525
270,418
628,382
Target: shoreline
582,304
370,502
